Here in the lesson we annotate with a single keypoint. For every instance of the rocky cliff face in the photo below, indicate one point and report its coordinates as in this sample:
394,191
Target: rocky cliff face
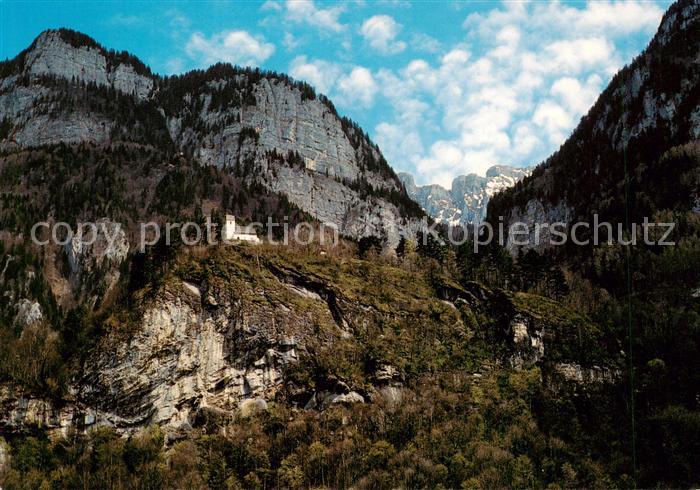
66,88
229,332
94,259
649,108
83,61
467,199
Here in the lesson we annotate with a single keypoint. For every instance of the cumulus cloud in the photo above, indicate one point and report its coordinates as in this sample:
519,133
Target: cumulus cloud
575,95
508,90
445,156
396,143
599,17
347,85
525,139
306,12
237,47
380,33
358,86
290,41
423,42
271,5
322,75
614,18
577,55
554,119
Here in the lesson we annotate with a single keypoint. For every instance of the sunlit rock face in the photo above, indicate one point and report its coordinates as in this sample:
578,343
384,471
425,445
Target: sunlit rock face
52,55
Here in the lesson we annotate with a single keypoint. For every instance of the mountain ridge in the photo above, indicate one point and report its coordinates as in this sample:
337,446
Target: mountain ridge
264,126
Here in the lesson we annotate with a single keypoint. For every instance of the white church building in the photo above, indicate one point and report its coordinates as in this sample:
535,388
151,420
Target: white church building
232,232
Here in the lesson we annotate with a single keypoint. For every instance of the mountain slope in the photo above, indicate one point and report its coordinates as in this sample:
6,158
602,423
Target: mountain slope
262,127
467,199
649,107
231,326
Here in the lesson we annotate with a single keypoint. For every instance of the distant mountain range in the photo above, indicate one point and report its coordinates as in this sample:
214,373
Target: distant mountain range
466,201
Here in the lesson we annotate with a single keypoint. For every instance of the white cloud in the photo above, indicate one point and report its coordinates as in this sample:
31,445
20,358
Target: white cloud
616,18
443,156
237,47
177,22
597,17
290,41
380,33
576,55
346,85
576,96
508,91
358,86
457,56
322,75
424,42
271,5
525,139
306,12
554,119
398,146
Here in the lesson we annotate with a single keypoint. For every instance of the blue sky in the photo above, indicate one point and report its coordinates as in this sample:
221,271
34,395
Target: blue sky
445,88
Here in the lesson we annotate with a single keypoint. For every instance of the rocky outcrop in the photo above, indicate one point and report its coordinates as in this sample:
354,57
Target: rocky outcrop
94,257
529,227
467,199
336,204
28,313
51,54
534,342
4,455
527,341
592,375
283,122
184,358
202,347
327,158
21,411
532,331
55,55
227,334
